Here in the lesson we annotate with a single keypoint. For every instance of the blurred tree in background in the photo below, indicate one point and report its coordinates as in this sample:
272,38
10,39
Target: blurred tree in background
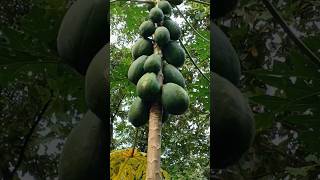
41,97
282,84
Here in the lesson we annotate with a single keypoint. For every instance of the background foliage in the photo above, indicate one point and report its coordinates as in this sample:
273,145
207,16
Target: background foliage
283,87
41,98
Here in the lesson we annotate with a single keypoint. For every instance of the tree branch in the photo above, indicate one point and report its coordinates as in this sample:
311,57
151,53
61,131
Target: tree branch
191,25
118,107
290,33
189,55
27,138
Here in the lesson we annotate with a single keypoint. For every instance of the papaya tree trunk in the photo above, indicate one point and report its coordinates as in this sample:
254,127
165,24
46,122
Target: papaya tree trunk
154,142
154,136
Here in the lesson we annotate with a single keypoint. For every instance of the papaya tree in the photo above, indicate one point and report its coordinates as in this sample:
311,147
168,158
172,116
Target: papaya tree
154,78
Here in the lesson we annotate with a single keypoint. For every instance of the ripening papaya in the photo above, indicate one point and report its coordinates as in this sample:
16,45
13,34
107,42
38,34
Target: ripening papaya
156,15
173,28
161,36
174,98
225,60
233,123
96,84
139,112
83,155
142,47
153,63
136,71
83,32
148,87
147,28
174,54
172,75
166,7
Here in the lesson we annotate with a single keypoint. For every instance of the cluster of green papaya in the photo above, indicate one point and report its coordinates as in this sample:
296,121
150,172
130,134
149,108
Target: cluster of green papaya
82,43
233,122
158,52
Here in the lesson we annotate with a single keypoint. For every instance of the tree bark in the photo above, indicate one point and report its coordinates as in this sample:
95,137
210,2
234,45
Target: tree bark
154,142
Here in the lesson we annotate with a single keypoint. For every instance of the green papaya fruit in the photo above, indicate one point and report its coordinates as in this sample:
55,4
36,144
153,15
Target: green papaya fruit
147,28
174,29
83,32
233,122
139,112
172,75
136,71
96,84
156,15
153,63
174,54
223,7
162,36
174,98
142,47
225,60
148,87
166,7
175,2
83,155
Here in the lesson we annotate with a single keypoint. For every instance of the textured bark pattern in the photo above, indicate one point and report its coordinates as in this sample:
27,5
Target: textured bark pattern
154,142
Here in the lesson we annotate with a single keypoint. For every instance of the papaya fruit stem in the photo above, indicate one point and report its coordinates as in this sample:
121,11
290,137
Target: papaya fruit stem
302,46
